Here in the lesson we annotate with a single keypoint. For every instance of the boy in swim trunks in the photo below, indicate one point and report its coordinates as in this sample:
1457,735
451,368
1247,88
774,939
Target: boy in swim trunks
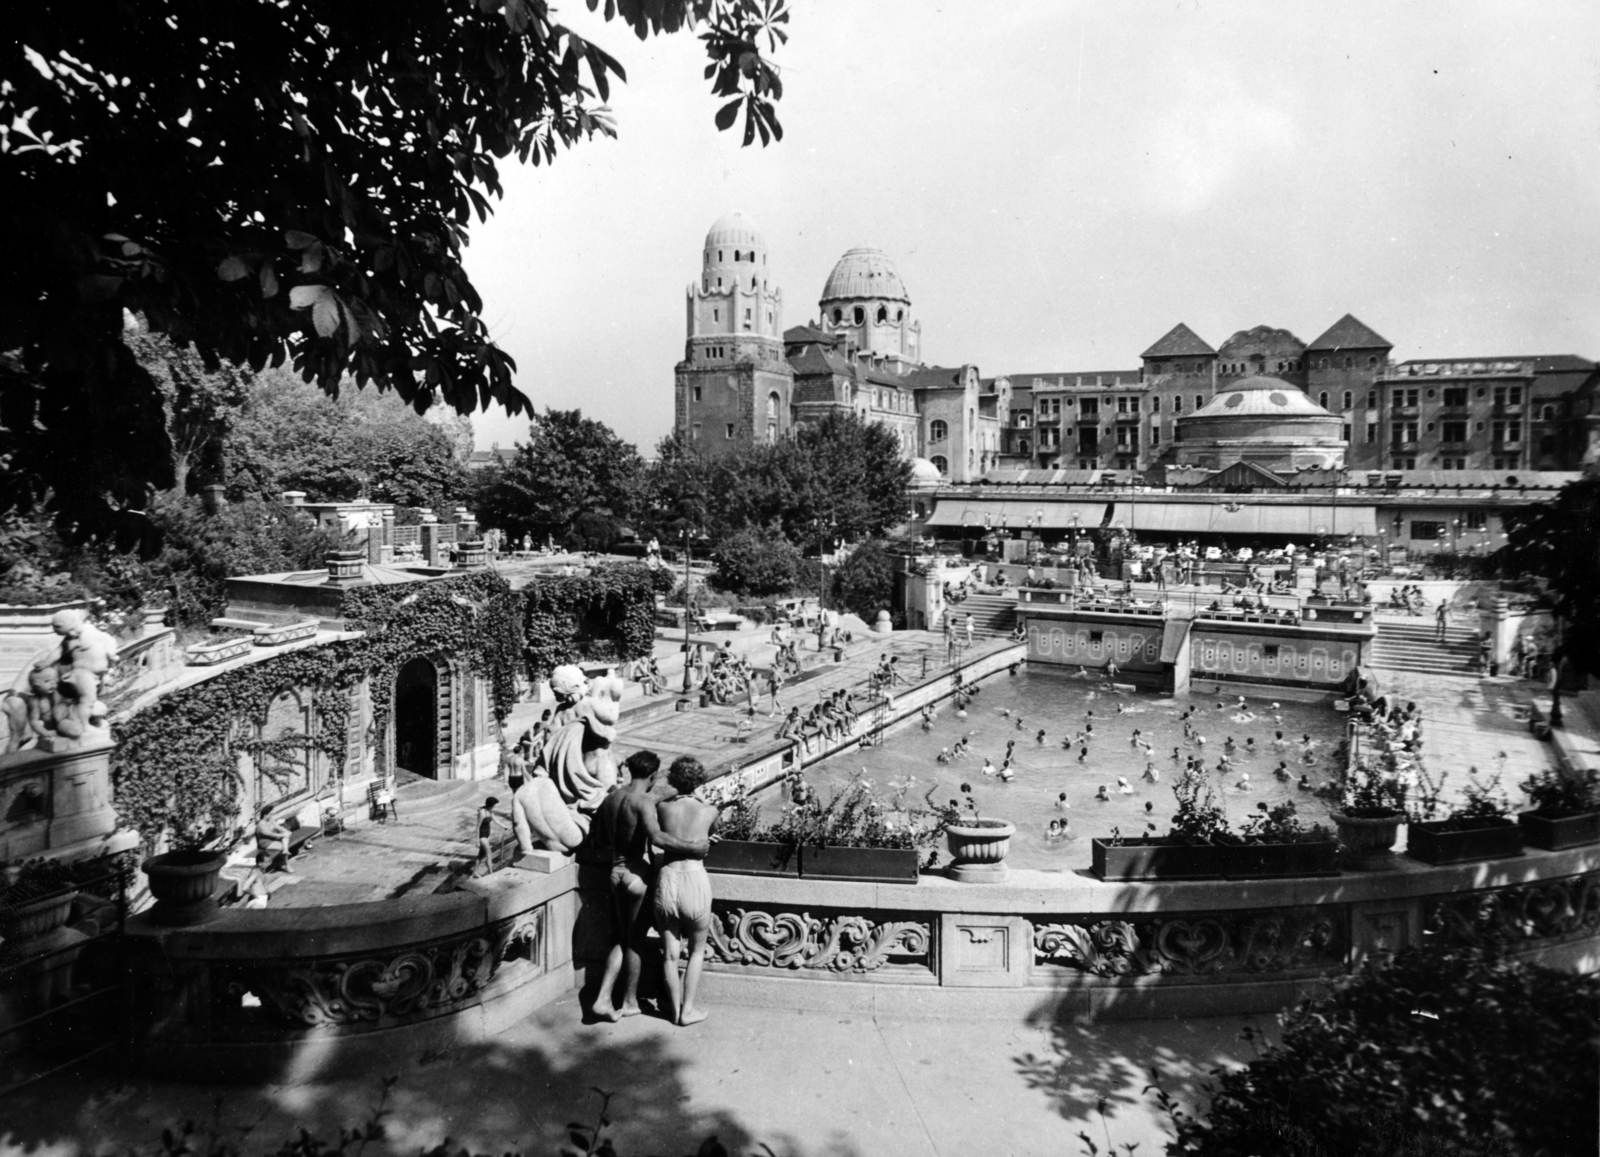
627,819
683,890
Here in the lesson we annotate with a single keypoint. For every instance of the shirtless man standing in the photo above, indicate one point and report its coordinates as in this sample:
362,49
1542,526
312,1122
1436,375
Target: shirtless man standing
628,818
683,890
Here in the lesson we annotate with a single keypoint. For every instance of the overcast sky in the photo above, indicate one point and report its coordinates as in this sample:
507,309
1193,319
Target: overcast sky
1060,183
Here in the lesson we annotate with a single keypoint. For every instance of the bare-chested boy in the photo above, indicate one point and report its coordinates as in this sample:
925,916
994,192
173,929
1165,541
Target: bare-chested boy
628,818
683,890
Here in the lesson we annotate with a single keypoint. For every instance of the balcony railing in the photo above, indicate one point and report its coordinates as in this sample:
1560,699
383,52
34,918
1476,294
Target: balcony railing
1133,417
1404,411
1508,407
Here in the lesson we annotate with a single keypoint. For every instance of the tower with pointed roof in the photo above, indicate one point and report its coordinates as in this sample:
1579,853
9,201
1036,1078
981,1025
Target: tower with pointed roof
1343,366
734,384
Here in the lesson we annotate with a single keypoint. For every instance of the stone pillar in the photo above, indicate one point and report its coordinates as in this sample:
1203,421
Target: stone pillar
344,566
1502,633
433,553
375,545
388,535
211,498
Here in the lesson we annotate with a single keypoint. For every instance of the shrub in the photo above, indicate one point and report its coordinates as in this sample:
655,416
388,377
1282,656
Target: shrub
1444,1050
864,582
755,562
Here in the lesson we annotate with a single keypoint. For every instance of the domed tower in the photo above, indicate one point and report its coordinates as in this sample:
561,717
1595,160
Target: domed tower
865,300
734,383
1264,420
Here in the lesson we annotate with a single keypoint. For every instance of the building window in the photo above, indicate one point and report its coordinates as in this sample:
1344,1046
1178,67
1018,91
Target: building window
1426,531
1452,431
1452,463
1344,431
1323,364
1455,397
1199,401
1477,520
1372,361
859,314
1322,399
940,463
727,431
938,430
1155,405
1177,403
773,402
1372,432
1506,433
1024,447
1348,398
883,314
1372,399
1349,363
1155,435
1022,421
694,433
1404,432
1089,409
1506,463
697,393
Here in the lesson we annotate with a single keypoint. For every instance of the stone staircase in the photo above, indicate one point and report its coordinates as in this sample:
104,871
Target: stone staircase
993,616
1410,645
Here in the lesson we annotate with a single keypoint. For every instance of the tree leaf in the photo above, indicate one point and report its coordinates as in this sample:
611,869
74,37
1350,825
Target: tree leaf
269,280
729,113
311,258
325,314
305,296
232,269
295,239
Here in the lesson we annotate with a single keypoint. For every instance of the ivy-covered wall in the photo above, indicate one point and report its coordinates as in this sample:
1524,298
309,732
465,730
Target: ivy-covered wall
175,763
607,616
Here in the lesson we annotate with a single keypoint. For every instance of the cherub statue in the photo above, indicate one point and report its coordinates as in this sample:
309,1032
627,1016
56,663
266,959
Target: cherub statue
542,819
578,756
56,699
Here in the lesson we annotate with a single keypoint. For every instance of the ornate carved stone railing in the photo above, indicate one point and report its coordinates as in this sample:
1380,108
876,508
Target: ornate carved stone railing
257,995
1209,947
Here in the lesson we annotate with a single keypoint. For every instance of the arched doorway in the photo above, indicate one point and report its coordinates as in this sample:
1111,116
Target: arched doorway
416,718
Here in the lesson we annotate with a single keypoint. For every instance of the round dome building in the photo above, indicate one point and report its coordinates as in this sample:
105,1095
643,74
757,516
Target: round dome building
865,300
1263,420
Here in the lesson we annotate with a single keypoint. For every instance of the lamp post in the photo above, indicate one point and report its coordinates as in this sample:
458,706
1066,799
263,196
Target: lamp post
687,612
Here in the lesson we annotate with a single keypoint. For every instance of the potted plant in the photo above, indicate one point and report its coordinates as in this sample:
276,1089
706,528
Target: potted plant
858,836
1479,828
36,900
184,879
1566,808
978,846
1201,845
1372,807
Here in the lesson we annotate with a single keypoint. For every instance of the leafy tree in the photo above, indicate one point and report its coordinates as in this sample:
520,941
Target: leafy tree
266,180
1446,1050
755,562
570,466
851,473
290,435
200,405
864,582
1560,541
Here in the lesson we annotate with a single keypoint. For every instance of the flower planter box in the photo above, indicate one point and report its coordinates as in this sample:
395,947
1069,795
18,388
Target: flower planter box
753,858
210,654
1153,858
185,886
1277,861
1439,843
1553,833
877,865
278,636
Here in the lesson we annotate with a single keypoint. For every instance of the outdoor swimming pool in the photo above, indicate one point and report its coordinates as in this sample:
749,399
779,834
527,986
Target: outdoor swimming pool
1059,704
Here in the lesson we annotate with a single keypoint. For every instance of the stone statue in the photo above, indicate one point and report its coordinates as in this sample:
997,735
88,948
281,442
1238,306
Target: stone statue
542,819
55,702
578,756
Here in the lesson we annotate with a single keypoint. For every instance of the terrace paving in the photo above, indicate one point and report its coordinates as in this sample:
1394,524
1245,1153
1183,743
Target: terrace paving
806,1084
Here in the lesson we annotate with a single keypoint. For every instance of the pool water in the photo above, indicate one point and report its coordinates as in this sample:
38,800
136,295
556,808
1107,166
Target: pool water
1059,703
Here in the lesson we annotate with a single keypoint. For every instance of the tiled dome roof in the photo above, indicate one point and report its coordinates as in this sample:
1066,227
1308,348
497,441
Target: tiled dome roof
1260,396
864,272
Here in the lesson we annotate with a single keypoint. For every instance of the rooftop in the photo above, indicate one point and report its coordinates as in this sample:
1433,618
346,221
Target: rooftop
1349,333
1179,341
865,271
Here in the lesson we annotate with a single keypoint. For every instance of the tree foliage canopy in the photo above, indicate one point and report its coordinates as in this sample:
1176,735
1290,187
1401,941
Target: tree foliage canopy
1560,541
570,466
263,179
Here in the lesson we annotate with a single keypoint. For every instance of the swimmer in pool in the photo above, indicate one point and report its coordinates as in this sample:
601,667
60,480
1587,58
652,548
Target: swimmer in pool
1123,786
1229,747
1151,774
1176,755
1305,783
1250,745
1103,794
1244,782
1282,772
988,766
1061,802
1039,738
1133,740
1006,774
1053,832
1279,743
1019,723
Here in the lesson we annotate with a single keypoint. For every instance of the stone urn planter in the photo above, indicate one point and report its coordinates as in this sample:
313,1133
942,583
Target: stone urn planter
185,886
1555,833
1368,840
978,850
30,920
